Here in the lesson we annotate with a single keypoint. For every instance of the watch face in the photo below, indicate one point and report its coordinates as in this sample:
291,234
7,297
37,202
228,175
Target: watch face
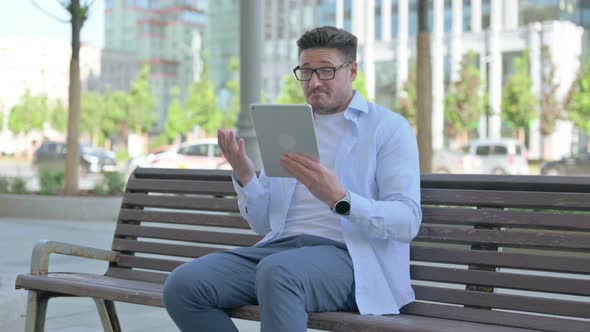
343,207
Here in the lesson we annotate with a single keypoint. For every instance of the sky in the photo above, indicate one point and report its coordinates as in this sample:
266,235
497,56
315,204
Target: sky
21,18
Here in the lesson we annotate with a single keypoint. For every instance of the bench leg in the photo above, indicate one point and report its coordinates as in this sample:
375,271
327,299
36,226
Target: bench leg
36,311
108,315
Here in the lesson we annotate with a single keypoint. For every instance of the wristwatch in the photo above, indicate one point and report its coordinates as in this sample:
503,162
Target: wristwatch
342,206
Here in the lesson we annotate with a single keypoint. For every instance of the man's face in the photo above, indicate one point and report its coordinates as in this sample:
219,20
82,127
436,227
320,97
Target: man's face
327,96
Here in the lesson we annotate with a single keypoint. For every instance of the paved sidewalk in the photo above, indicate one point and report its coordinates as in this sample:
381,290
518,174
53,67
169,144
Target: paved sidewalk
17,238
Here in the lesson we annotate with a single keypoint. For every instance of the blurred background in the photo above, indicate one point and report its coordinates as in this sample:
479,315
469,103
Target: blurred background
510,82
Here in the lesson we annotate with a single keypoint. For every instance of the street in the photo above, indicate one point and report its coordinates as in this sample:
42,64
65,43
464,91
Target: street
17,238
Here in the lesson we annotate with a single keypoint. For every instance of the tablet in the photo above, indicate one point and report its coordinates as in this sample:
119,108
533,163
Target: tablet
281,129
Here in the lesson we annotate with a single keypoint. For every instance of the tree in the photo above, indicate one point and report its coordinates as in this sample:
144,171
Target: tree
78,15
463,103
91,113
424,89
229,116
59,117
360,83
291,92
29,115
519,104
141,103
579,108
405,103
551,108
177,123
201,103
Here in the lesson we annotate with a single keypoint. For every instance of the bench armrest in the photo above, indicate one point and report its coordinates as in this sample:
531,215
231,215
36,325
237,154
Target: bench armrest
42,250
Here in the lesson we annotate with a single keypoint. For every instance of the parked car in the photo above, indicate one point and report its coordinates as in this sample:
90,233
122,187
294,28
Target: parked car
92,160
496,156
578,165
198,154
147,159
448,162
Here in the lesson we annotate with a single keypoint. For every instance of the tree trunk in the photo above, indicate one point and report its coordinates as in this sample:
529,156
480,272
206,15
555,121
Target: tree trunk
73,153
424,89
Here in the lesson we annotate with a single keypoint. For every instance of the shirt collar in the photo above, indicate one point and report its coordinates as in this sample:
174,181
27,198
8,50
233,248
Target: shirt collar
357,105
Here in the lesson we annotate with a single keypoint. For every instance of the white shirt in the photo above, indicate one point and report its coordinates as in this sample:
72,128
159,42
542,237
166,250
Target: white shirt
377,162
307,214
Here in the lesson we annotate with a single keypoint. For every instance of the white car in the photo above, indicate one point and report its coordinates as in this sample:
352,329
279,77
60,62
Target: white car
198,154
496,156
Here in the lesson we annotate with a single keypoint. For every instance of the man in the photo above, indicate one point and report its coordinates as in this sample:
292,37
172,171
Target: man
337,235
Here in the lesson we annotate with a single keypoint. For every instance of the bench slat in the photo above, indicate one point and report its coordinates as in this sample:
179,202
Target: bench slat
352,321
541,262
181,202
126,273
183,174
494,317
503,301
507,182
231,239
148,263
182,186
184,218
502,280
506,218
161,248
516,238
89,285
507,199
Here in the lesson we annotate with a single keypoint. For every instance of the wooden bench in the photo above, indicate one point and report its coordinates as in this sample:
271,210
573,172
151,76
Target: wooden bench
494,253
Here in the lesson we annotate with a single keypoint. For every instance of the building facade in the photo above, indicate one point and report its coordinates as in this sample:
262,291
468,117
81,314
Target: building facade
496,30
166,34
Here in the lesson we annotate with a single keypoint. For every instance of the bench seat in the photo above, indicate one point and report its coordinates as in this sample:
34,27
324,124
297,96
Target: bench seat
149,293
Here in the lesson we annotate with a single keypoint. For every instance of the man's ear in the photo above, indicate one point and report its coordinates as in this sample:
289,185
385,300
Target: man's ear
353,71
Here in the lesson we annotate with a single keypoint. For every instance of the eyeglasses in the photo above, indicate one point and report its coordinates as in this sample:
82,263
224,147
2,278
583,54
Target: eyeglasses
323,73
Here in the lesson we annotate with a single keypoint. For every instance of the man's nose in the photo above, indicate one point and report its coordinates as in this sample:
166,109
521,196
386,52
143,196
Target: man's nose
315,80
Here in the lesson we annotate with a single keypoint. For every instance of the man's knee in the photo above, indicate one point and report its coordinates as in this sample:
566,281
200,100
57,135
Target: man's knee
184,287
273,275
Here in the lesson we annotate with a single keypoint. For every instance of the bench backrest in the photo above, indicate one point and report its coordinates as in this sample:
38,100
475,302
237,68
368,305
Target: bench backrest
510,250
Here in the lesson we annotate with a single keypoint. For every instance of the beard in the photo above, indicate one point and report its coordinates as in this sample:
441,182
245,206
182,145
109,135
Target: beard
322,107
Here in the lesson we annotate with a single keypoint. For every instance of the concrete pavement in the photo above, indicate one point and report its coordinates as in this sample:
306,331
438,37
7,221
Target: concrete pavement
17,238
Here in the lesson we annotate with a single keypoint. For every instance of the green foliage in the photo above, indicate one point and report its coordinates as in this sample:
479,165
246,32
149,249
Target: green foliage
201,103
141,112
405,104
112,183
519,104
229,116
59,117
463,103
177,123
159,140
29,115
91,112
122,155
360,83
579,108
551,108
51,180
114,111
16,185
291,92
4,185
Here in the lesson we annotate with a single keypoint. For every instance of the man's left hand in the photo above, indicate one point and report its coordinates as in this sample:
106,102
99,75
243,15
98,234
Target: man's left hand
319,180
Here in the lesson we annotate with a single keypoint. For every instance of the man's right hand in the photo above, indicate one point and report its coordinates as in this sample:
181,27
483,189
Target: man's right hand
235,154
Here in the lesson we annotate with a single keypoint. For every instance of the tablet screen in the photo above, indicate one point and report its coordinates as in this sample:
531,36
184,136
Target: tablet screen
281,129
